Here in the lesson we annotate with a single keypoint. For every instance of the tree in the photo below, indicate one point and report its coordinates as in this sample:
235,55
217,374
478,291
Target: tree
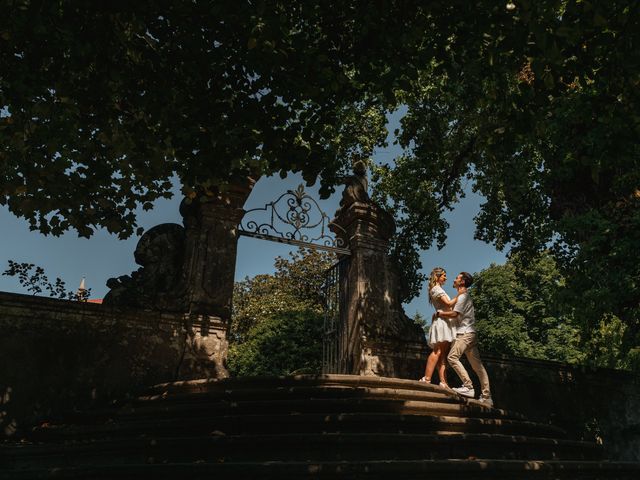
519,312
286,343
522,310
34,279
536,106
421,321
277,321
101,108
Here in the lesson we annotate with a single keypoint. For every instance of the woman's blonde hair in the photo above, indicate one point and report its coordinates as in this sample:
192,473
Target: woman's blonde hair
433,280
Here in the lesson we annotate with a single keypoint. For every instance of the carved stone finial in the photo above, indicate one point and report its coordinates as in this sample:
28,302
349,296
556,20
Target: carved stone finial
157,283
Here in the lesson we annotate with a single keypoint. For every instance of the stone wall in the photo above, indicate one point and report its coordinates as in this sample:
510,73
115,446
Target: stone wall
594,404
58,356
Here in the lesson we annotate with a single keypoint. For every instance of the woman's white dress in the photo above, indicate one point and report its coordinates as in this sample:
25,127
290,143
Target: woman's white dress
441,329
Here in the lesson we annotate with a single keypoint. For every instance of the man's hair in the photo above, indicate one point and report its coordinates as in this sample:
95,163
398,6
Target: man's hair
467,279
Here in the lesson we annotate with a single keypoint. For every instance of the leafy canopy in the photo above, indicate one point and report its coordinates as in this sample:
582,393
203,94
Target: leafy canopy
101,108
535,104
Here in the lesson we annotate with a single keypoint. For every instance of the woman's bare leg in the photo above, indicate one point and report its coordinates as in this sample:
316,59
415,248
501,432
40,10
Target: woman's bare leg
432,361
442,362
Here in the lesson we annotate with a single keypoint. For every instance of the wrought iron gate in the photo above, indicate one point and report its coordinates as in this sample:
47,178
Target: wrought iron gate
334,342
297,219
294,218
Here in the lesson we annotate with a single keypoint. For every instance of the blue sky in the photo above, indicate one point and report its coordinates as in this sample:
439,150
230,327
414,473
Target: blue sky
104,256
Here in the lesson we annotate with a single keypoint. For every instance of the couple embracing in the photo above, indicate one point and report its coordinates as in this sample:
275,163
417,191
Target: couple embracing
453,334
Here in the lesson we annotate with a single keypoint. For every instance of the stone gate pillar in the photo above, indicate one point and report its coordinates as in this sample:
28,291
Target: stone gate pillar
211,243
378,338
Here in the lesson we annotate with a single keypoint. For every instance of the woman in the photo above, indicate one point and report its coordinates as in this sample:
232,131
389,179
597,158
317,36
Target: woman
441,332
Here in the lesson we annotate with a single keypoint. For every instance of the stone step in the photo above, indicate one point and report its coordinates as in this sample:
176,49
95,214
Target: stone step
287,394
235,386
465,408
304,385
332,426
299,447
376,470
298,423
201,385
475,469
301,392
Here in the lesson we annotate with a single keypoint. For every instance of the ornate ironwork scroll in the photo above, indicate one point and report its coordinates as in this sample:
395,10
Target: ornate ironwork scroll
294,218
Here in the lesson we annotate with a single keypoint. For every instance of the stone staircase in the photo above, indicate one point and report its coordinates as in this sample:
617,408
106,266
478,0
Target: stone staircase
332,426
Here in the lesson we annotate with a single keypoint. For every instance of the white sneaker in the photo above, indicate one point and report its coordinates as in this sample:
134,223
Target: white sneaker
487,401
465,391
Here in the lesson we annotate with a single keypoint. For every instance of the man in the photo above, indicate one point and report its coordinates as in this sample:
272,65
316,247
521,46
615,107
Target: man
466,342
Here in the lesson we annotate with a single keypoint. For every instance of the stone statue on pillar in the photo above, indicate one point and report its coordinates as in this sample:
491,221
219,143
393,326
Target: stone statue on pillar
380,338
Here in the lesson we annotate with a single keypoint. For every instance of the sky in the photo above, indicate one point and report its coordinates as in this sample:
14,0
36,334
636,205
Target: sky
104,256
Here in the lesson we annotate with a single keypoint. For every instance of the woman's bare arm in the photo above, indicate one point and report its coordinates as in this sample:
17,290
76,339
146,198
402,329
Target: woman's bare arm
452,302
449,303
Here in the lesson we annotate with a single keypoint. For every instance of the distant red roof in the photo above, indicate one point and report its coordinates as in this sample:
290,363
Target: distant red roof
94,300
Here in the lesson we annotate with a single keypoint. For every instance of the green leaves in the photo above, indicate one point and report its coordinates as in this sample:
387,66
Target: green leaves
519,313
148,93
276,326
537,112
288,343
526,307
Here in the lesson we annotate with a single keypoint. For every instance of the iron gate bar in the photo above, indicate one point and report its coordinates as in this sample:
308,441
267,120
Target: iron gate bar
334,339
264,236
297,216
